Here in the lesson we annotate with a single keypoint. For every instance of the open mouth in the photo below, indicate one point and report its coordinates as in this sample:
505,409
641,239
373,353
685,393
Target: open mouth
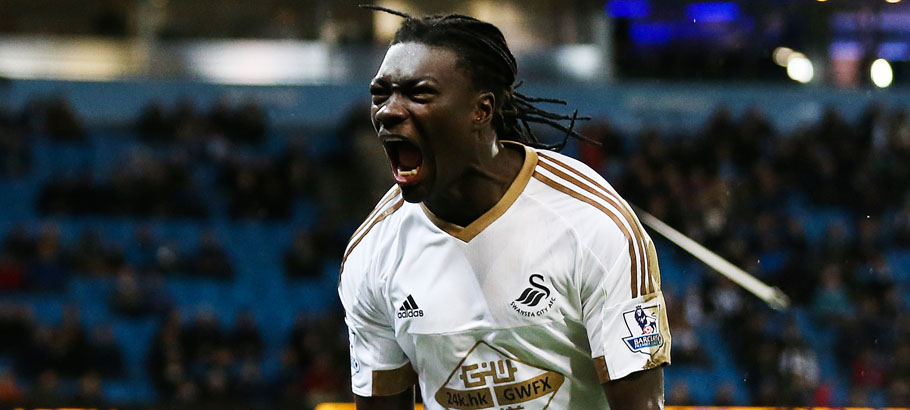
406,159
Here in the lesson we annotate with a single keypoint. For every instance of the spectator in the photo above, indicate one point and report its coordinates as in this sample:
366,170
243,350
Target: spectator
680,396
723,395
11,276
168,258
832,301
250,124
686,348
215,377
93,256
283,24
11,392
287,382
47,393
202,337
867,370
142,250
15,152
62,123
257,190
111,20
800,370
301,260
145,185
154,125
104,355
323,381
167,358
248,385
19,244
46,272
245,340
210,259
17,325
89,394
70,344
128,298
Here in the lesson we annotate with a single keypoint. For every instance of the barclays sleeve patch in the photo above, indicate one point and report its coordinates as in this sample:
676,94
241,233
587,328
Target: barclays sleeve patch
644,328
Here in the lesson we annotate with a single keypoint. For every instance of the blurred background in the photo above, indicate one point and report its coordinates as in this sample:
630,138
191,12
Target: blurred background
178,180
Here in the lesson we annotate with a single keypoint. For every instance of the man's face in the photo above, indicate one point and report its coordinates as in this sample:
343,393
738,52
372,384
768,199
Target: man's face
423,110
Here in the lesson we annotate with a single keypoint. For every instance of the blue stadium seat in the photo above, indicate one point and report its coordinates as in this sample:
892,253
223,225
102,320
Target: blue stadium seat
900,264
819,220
135,338
92,295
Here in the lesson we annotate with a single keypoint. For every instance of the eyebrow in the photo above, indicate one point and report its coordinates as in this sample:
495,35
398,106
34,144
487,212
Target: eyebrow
405,81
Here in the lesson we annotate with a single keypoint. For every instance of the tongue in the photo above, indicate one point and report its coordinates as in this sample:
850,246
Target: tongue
409,157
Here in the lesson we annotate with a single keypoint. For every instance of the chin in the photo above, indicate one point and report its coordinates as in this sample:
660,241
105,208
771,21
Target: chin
413,193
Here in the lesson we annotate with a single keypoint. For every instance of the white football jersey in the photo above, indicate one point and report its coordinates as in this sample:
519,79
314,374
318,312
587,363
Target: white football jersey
550,293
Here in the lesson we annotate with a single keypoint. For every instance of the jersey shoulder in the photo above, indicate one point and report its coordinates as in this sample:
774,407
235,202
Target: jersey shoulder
581,196
603,220
369,232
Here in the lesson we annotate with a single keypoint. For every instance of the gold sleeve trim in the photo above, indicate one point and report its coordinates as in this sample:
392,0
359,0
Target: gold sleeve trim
660,355
391,382
603,374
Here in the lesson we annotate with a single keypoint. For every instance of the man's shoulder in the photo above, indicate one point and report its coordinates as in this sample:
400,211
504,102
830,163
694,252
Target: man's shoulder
370,231
579,194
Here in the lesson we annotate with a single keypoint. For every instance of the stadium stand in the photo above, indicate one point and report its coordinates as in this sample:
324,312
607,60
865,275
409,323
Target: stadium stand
192,259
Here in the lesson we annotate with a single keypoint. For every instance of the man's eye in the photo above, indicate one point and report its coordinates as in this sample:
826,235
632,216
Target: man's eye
378,95
422,94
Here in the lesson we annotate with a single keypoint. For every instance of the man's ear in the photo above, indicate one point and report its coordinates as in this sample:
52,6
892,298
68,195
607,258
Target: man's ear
484,108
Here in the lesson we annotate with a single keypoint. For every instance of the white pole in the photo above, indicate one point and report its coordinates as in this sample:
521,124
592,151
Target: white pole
773,296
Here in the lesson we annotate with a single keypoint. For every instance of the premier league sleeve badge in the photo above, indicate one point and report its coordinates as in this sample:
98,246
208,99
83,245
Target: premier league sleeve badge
644,330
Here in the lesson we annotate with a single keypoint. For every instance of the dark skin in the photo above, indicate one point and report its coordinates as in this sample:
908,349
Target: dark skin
421,95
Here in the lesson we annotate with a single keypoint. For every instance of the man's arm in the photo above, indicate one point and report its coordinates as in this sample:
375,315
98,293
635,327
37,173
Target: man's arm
400,401
642,390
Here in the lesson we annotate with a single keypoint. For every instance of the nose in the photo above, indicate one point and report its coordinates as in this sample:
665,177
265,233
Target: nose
391,113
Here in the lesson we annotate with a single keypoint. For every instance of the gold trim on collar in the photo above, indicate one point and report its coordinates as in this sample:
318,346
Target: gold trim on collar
466,233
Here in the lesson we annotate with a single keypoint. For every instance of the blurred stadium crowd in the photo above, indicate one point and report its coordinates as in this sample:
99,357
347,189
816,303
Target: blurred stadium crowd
823,213
751,194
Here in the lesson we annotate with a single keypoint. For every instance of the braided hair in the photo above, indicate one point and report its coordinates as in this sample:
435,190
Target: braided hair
483,53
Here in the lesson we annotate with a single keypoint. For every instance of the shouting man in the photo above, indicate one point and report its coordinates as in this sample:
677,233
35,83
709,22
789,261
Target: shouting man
496,273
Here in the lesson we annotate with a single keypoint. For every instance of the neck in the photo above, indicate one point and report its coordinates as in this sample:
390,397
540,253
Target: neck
482,186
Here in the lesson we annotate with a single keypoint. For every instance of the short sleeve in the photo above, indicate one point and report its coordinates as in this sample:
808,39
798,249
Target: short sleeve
379,367
624,309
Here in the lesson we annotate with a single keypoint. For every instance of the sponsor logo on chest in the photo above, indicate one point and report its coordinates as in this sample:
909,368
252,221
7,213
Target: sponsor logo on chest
488,378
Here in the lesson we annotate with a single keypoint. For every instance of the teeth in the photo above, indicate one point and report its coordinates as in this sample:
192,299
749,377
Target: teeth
408,173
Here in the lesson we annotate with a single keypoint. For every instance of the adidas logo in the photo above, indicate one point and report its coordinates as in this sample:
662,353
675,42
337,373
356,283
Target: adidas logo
409,309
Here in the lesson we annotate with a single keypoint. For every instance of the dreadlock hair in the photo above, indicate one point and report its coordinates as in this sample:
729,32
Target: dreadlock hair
483,53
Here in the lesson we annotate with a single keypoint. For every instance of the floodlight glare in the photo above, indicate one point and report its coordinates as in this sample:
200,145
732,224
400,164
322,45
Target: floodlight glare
799,68
881,72
782,55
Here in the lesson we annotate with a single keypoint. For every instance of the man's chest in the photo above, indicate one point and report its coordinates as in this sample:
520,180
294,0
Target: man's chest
449,286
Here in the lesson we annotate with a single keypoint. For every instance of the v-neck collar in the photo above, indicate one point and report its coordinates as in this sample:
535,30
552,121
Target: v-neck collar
466,233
